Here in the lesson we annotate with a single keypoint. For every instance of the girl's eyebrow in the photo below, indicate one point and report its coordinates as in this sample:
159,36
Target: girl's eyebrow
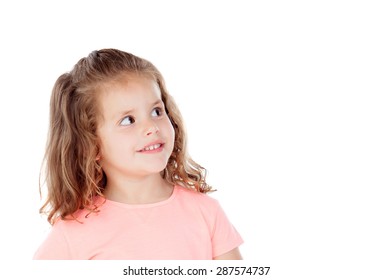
158,102
127,112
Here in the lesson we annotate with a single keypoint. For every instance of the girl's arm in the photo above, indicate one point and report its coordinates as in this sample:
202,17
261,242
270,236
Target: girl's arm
231,255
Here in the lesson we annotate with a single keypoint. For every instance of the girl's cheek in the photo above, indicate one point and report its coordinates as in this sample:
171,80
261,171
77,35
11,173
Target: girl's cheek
166,123
171,127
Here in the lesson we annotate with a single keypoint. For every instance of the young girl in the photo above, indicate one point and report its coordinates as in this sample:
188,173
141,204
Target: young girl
120,182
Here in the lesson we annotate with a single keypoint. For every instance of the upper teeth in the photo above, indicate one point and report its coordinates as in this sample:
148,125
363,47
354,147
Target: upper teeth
152,147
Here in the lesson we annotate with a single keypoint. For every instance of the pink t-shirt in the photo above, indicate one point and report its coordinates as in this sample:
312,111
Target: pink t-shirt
186,226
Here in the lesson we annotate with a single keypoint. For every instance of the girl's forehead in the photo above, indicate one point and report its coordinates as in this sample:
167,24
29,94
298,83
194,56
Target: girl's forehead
129,93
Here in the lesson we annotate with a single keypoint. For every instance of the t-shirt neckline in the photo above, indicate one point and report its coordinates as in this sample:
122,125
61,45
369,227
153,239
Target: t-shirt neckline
147,205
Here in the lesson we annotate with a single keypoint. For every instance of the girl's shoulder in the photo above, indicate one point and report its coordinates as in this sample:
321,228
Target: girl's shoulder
81,216
191,196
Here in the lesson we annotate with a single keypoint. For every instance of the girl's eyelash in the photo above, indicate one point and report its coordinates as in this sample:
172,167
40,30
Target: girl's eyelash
130,120
160,110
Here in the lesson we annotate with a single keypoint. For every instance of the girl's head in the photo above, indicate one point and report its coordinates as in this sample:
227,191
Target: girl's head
85,102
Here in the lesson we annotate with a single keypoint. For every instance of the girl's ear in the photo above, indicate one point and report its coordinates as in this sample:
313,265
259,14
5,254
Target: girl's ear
98,157
98,152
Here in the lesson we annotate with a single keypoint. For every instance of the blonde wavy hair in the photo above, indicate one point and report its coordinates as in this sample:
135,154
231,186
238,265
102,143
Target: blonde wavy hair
72,174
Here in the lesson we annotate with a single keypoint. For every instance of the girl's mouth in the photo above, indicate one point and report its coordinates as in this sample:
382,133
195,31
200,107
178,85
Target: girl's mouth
152,148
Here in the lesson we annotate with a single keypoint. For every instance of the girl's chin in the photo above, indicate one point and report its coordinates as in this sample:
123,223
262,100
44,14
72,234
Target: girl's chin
153,170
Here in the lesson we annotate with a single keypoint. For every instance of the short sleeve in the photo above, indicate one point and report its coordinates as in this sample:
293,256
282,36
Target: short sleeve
54,247
224,236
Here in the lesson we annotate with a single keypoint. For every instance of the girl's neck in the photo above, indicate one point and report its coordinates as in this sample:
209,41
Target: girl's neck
145,190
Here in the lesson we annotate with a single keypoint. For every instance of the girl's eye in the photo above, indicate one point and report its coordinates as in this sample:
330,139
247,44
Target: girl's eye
156,112
128,120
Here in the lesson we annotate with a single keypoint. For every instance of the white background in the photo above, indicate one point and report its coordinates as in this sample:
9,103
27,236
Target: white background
287,104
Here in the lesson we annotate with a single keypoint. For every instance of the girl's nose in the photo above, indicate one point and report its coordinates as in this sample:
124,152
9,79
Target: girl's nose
151,128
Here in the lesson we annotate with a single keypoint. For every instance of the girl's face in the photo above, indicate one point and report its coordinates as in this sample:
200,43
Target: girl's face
136,135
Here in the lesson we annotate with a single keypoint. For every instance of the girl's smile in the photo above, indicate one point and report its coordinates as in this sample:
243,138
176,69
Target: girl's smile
154,147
